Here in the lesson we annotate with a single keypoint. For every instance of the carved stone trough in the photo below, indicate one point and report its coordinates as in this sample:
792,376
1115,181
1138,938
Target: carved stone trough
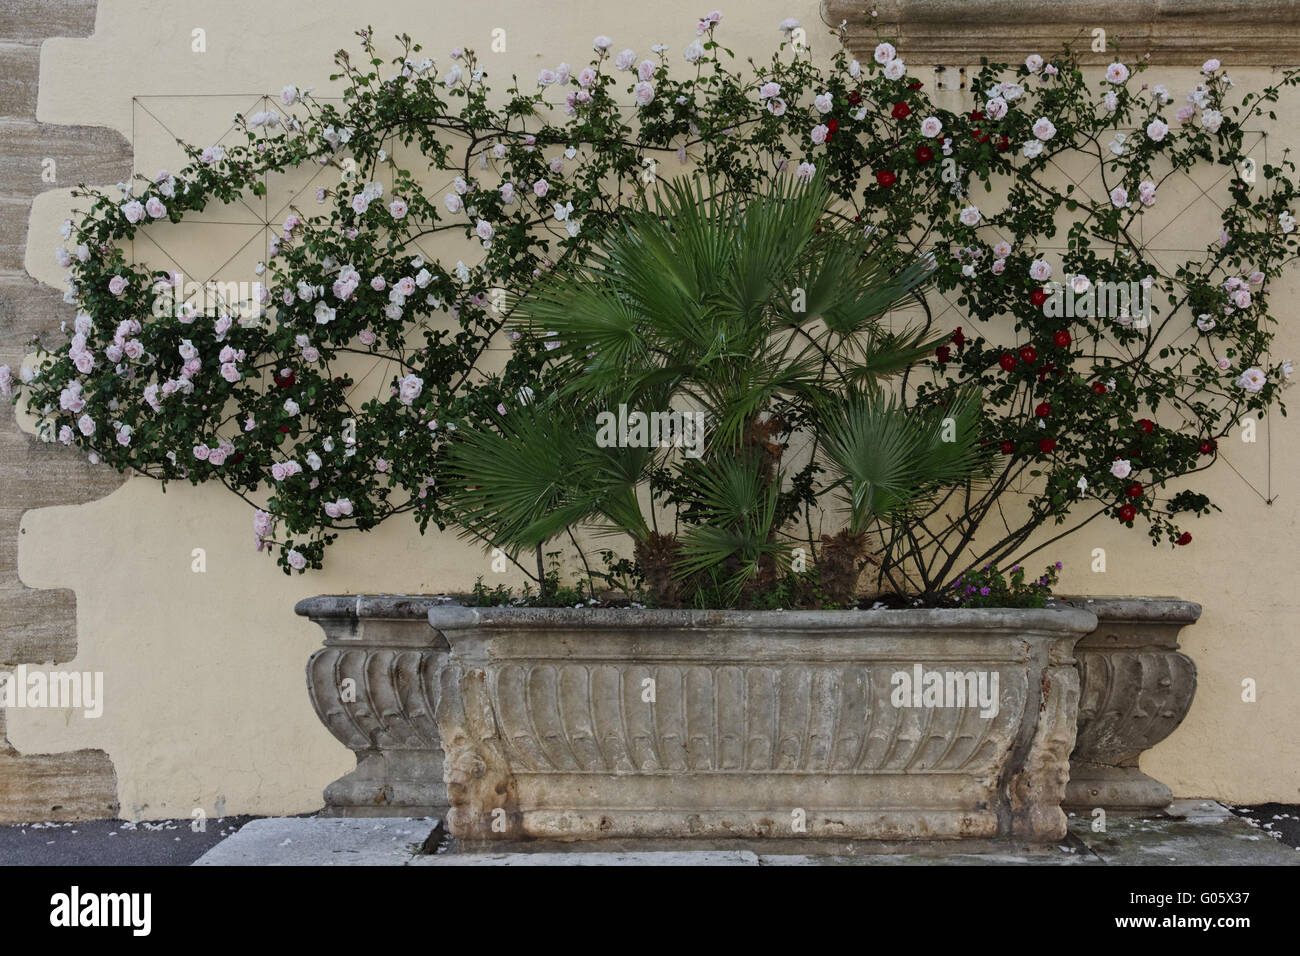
568,724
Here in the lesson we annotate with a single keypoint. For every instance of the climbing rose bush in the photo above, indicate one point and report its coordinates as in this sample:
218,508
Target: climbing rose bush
326,399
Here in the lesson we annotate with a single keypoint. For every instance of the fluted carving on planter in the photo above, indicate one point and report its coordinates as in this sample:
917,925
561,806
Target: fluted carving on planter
377,698
1135,700
649,724
805,718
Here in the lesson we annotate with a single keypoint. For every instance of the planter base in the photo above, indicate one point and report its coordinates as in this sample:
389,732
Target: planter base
401,783
1115,789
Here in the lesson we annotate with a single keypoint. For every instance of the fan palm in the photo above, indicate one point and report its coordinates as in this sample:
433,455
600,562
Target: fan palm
764,314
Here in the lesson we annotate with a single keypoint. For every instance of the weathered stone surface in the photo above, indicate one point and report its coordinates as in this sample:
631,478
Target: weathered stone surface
375,685
20,65
28,308
81,154
959,32
37,626
30,21
760,724
297,841
40,625
79,785
1136,690
13,231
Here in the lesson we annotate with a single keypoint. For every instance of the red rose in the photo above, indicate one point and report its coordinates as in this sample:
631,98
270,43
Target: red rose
1004,144
915,85
855,97
285,429
831,126
924,154
1047,445
1008,361
943,353
1098,388
1147,425
1043,410
237,458
1207,447
1061,338
886,178
1127,513
1028,353
981,136
1184,538
957,338
1038,297
286,380
1007,446
1134,490
1047,367
901,110
976,116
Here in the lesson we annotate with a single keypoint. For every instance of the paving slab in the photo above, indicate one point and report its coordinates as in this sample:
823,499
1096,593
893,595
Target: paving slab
323,841
1196,832
1207,832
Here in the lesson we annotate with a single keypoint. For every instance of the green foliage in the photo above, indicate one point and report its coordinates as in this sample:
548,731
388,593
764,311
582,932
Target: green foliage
989,587
585,202
748,314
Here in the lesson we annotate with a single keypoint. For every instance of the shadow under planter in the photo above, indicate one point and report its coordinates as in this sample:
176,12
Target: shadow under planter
375,686
567,724
1136,688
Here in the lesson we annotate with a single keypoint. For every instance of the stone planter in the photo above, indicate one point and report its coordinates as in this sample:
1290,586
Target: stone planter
375,686
1136,688
584,724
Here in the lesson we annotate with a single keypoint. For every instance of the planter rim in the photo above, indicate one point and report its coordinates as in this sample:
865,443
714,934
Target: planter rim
1063,619
399,607
1122,607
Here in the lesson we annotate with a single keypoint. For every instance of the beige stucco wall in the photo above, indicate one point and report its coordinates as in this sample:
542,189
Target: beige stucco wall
206,703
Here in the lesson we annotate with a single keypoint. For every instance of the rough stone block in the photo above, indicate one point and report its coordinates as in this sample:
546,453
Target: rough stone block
20,67
30,21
